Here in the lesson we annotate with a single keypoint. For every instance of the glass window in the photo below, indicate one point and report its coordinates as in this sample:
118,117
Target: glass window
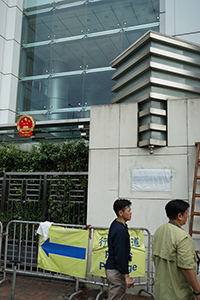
67,47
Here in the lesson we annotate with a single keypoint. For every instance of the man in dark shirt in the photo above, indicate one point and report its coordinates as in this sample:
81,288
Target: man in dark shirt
119,252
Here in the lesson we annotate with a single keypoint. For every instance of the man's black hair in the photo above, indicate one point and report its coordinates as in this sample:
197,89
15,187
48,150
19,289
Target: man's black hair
175,207
120,204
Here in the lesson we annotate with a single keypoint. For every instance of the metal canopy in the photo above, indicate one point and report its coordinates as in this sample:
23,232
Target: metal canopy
53,131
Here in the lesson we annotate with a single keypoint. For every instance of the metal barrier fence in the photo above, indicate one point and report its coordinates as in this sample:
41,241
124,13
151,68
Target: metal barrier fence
1,235
140,281
21,244
1,186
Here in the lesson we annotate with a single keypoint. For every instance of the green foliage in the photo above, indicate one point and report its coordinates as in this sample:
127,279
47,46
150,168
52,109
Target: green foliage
64,157
71,156
11,158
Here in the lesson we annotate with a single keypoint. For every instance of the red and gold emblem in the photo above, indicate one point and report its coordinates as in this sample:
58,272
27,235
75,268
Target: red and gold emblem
25,125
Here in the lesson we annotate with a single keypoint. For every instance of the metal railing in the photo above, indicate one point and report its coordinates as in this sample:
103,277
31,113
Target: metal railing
140,281
22,243
37,196
1,235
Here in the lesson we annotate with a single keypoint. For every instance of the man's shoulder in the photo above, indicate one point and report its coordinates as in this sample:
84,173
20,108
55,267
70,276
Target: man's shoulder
171,229
160,228
113,224
117,226
167,239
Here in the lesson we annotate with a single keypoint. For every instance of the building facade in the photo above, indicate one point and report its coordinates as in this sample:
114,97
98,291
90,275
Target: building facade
55,64
56,55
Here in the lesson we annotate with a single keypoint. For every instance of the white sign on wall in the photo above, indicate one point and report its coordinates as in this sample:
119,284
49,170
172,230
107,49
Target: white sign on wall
151,180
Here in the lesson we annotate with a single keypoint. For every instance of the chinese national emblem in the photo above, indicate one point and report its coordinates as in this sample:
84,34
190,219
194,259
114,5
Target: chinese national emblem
25,125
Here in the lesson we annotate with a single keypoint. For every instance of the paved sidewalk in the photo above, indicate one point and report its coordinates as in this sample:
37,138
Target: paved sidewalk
29,288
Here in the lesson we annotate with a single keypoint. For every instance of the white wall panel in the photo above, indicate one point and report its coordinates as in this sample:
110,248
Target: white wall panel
162,5
177,126
11,58
7,94
186,16
148,214
191,37
104,126
169,17
191,167
3,16
10,38
5,116
18,3
103,169
14,24
162,22
128,125
193,121
99,210
180,18
103,186
2,41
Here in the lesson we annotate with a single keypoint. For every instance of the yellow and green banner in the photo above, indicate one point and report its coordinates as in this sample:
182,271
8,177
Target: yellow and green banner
100,253
64,251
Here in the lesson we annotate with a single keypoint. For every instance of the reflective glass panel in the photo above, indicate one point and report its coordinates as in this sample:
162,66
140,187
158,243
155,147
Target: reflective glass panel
67,47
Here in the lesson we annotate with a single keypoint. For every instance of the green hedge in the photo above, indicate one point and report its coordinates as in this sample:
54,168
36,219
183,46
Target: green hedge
71,156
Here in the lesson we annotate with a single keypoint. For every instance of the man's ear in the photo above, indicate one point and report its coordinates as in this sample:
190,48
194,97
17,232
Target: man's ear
179,216
120,213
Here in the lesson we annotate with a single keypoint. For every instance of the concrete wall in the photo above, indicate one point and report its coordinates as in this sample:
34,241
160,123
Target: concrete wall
114,153
10,38
180,18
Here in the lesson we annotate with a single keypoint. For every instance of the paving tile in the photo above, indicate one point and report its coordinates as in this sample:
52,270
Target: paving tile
29,288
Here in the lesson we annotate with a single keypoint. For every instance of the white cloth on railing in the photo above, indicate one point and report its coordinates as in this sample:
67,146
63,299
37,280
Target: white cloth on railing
43,229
